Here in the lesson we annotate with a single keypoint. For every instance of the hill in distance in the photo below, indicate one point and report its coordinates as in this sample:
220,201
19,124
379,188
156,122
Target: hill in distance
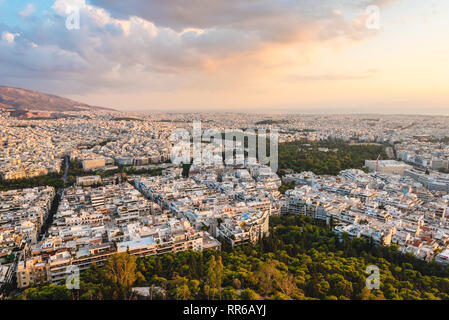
21,102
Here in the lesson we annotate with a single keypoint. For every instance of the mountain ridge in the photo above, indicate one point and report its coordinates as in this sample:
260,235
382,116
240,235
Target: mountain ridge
21,100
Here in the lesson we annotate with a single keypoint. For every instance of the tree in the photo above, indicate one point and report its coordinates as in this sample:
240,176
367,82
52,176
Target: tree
249,294
214,276
120,269
287,285
194,287
219,274
236,283
211,275
183,292
229,293
268,276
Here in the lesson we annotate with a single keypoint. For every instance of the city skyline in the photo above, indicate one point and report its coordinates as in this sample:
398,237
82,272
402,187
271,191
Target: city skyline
252,56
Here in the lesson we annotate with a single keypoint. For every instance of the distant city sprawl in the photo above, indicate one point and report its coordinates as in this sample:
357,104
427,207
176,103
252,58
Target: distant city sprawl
153,184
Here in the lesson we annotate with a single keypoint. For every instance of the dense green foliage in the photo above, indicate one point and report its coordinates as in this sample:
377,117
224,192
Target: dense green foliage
304,155
284,187
51,179
301,259
185,170
270,121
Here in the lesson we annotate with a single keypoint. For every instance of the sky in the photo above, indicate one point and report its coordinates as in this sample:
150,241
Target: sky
294,56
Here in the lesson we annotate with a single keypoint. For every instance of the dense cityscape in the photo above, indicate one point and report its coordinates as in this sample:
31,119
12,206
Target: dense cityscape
116,190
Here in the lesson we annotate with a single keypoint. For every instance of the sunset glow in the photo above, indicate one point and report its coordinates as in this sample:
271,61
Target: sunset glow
253,55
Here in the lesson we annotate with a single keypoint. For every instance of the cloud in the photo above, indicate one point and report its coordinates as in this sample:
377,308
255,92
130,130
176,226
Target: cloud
27,11
62,6
9,37
219,13
156,42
